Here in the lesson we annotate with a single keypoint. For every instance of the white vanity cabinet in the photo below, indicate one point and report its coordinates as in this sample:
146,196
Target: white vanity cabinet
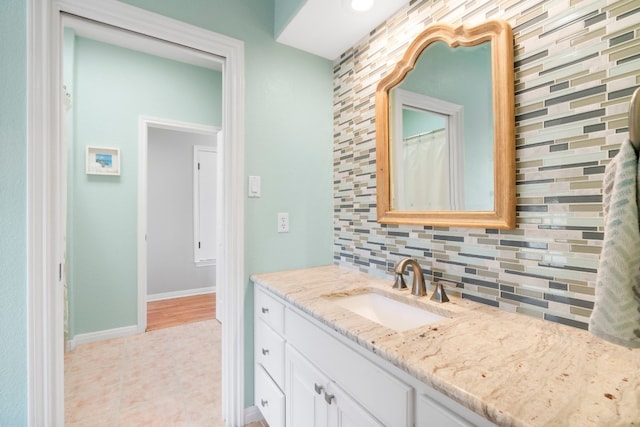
308,375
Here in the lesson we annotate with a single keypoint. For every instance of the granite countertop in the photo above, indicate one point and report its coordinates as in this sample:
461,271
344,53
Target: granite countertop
512,369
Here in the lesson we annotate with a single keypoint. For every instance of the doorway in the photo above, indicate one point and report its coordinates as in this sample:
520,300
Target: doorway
111,86
180,184
47,182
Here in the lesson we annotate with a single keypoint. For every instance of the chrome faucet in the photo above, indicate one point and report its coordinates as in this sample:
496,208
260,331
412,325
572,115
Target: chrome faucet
418,288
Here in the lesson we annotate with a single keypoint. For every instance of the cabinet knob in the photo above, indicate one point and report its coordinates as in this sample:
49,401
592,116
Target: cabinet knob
264,402
329,398
265,310
265,351
318,388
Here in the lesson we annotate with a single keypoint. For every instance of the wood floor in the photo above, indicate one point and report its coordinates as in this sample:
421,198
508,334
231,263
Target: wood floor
178,311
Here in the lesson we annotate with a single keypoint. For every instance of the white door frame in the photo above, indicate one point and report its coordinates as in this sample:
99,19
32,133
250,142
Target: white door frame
144,123
44,184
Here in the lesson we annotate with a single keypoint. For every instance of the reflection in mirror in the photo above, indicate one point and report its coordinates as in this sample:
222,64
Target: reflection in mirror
423,156
445,130
445,168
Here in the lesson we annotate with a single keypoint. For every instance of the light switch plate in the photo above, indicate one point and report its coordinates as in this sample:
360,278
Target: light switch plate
254,186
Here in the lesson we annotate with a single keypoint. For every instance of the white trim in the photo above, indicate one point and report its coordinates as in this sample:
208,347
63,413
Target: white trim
44,294
107,334
181,294
205,263
144,123
252,414
230,275
45,304
179,125
114,36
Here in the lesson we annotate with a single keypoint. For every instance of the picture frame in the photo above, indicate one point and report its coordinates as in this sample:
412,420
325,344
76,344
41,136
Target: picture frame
103,161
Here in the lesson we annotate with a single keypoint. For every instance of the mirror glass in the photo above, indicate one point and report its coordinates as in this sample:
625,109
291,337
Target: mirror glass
445,130
441,132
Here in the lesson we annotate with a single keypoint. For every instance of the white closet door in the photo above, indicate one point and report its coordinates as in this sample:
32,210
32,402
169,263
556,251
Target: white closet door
205,204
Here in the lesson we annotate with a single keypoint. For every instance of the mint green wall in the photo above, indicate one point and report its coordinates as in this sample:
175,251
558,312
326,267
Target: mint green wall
463,76
284,12
288,142
13,214
113,86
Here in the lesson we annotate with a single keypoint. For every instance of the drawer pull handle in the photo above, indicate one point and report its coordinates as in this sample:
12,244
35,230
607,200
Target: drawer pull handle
318,388
329,398
265,310
264,402
265,351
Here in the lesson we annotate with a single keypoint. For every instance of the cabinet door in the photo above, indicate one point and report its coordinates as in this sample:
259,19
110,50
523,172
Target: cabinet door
305,390
346,412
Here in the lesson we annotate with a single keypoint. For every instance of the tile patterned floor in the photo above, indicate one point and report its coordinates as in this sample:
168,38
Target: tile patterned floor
169,377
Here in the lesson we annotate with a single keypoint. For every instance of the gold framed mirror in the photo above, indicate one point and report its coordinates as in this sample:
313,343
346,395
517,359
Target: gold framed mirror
445,138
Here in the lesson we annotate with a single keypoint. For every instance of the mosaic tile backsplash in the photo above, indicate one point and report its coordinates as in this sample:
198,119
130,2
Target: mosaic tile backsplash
576,65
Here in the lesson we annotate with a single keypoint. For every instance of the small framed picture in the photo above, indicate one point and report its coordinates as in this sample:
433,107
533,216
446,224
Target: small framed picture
103,161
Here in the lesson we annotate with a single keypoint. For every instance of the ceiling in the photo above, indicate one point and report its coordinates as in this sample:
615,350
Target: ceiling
328,28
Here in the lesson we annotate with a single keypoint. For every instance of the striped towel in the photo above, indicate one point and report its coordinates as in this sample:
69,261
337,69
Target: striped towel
616,313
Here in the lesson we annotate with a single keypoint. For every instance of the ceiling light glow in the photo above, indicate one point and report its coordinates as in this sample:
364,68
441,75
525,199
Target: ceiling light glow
361,5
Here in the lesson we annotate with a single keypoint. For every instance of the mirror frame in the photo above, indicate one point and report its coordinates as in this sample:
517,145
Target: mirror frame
503,216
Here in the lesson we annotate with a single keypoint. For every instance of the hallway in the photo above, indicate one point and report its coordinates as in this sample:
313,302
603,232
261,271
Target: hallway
178,311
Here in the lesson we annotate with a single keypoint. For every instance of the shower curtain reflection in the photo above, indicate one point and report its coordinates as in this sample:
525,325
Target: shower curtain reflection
426,187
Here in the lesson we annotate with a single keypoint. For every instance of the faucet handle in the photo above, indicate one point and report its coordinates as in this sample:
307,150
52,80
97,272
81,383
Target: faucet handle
439,294
399,283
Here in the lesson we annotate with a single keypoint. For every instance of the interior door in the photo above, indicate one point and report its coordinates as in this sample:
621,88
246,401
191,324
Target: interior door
205,221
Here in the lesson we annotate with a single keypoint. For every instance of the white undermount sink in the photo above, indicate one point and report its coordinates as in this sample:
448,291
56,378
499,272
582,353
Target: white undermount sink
388,312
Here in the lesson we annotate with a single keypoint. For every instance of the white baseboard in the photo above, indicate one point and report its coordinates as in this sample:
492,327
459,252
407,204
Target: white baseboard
180,294
133,329
252,414
206,263
101,335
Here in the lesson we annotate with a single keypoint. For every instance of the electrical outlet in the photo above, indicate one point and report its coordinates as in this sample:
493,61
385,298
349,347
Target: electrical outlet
283,222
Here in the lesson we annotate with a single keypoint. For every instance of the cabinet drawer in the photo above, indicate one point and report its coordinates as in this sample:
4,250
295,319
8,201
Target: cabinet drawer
269,310
269,352
269,399
386,397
